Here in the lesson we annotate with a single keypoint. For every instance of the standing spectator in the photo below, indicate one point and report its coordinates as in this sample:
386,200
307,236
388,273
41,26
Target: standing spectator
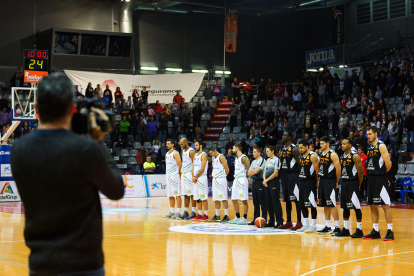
409,130
161,155
344,101
129,103
176,122
278,91
352,127
152,129
310,106
186,120
394,140
270,89
287,92
3,102
262,92
330,95
309,121
390,85
347,86
270,115
364,157
144,95
292,114
190,130
244,108
236,91
105,99
163,128
343,120
108,93
247,87
4,118
316,133
26,129
157,109
96,92
124,127
383,135
322,93
141,155
323,122
343,131
135,97
98,86
178,98
297,100
249,98
378,93
17,80
229,145
89,91
355,89
197,112
118,95
234,111
208,96
153,155
250,117
114,135
336,84
401,82
174,107
334,121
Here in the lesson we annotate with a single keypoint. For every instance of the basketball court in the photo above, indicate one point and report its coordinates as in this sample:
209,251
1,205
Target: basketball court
138,241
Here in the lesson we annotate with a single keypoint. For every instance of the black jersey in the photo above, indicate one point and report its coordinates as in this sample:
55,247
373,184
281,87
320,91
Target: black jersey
326,166
375,163
348,168
287,160
307,171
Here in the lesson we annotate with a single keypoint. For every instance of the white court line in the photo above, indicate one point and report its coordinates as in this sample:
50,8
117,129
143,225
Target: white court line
313,271
137,234
13,241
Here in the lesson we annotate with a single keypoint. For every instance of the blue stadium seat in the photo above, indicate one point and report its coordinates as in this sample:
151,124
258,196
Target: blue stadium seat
226,129
147,145
133,152
236,129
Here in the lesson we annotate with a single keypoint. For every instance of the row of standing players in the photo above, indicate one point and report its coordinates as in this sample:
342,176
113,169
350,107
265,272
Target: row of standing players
308,180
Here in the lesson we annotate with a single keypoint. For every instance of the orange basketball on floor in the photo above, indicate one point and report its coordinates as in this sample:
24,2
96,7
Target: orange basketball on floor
260,222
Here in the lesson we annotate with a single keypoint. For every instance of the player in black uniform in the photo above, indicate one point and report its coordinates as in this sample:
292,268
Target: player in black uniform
378,164
352,174
309,166
289,159
329,175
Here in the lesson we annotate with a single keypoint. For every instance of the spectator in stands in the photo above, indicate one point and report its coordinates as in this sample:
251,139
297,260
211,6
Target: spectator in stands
4,117
323,122
156,146
236,91
270,89
141,155
309,121
17,80
375,122
253,140
11,139
96,92
383,135
249,98
124,110
135,96
287,126
176,121
272,130
278,91
291,115
245,146
352,127
118,95
409,130
361,140
190,130
98,86
270,115
390,85
26,129
185,120
262,92
393,134
231,159
105,99
124,128
287,94
260,114
244,109
343,131
229,144
129,103
322,93
197,112
108,93
401,82
157,109
344,101
153,155
343,119
369,113
178,98
89,91
378,93
315,133
355,89
234,111
208,96
174,106
310,106
161,155
144,95
307,138
3,102
152,129
149,166
347,86
263,133
247,87
297,100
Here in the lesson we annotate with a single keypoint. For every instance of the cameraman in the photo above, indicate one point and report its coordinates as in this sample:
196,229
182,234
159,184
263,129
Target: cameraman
58,174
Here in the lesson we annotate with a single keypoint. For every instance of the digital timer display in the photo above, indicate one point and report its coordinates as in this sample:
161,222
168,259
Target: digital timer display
37,54
35,60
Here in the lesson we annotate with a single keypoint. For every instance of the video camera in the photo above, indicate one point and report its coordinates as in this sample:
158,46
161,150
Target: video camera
81,121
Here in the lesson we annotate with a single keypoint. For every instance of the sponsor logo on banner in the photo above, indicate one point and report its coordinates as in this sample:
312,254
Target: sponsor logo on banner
226,103
217,89
134,186
6,170
320,57
227,229
221,115
34,76
217,122
223,109
215,128
4,152
231,30
211,135
9,192
157,184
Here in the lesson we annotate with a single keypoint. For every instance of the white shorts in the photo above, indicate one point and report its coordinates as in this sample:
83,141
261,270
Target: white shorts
219,189
187,184
240,189
173,185
201,188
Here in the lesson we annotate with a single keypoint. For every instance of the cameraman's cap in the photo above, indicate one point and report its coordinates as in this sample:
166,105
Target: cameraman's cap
211,148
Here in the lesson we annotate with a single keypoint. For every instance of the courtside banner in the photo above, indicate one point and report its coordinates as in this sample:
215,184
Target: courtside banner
8,191
134,186
156,185
160,87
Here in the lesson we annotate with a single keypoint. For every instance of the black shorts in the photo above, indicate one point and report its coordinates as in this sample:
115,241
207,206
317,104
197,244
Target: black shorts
307,193
327,192
289,181
378,190
350,196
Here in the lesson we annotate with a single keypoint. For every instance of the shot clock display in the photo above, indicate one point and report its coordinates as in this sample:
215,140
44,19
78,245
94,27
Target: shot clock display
35,60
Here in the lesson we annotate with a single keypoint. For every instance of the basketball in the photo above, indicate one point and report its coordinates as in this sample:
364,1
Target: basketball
260,222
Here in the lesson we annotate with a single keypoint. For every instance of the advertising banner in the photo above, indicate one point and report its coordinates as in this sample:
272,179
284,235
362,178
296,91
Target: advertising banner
231,30
156,185
134,186
320,57
159,87
338,24
8,191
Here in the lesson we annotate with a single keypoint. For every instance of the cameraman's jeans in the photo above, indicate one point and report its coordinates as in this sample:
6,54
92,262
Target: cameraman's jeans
162,136
410,144
95,272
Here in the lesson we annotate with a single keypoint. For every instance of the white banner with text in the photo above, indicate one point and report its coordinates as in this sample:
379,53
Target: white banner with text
8,191
134,186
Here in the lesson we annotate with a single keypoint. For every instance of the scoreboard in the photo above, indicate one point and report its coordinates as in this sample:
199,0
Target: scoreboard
35,64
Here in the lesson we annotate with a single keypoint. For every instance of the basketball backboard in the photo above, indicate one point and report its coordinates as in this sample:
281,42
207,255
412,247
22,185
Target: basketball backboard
22,104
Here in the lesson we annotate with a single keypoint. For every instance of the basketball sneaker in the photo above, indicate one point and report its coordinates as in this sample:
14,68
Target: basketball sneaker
389,236
303,229
270,224
344,233
311,229
225,219
193,215
176,216
251,223
298,226
197,218
169,215
235,220
358,234
242,221
184,215
287,225
214,219
325,230
373,235
335,231
203,218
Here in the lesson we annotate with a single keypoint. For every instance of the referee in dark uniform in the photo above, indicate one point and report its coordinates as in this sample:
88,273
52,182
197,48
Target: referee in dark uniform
378,164
255,174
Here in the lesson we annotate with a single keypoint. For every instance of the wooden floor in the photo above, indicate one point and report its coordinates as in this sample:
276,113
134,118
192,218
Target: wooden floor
138,241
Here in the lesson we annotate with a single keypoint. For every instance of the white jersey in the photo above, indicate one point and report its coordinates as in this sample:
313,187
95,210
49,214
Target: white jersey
197,164
239,168
171,163
218,168
187,162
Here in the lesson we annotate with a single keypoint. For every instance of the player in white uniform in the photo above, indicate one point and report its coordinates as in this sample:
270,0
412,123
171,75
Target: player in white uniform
220,172
240,189
173,168
187,185
200,167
